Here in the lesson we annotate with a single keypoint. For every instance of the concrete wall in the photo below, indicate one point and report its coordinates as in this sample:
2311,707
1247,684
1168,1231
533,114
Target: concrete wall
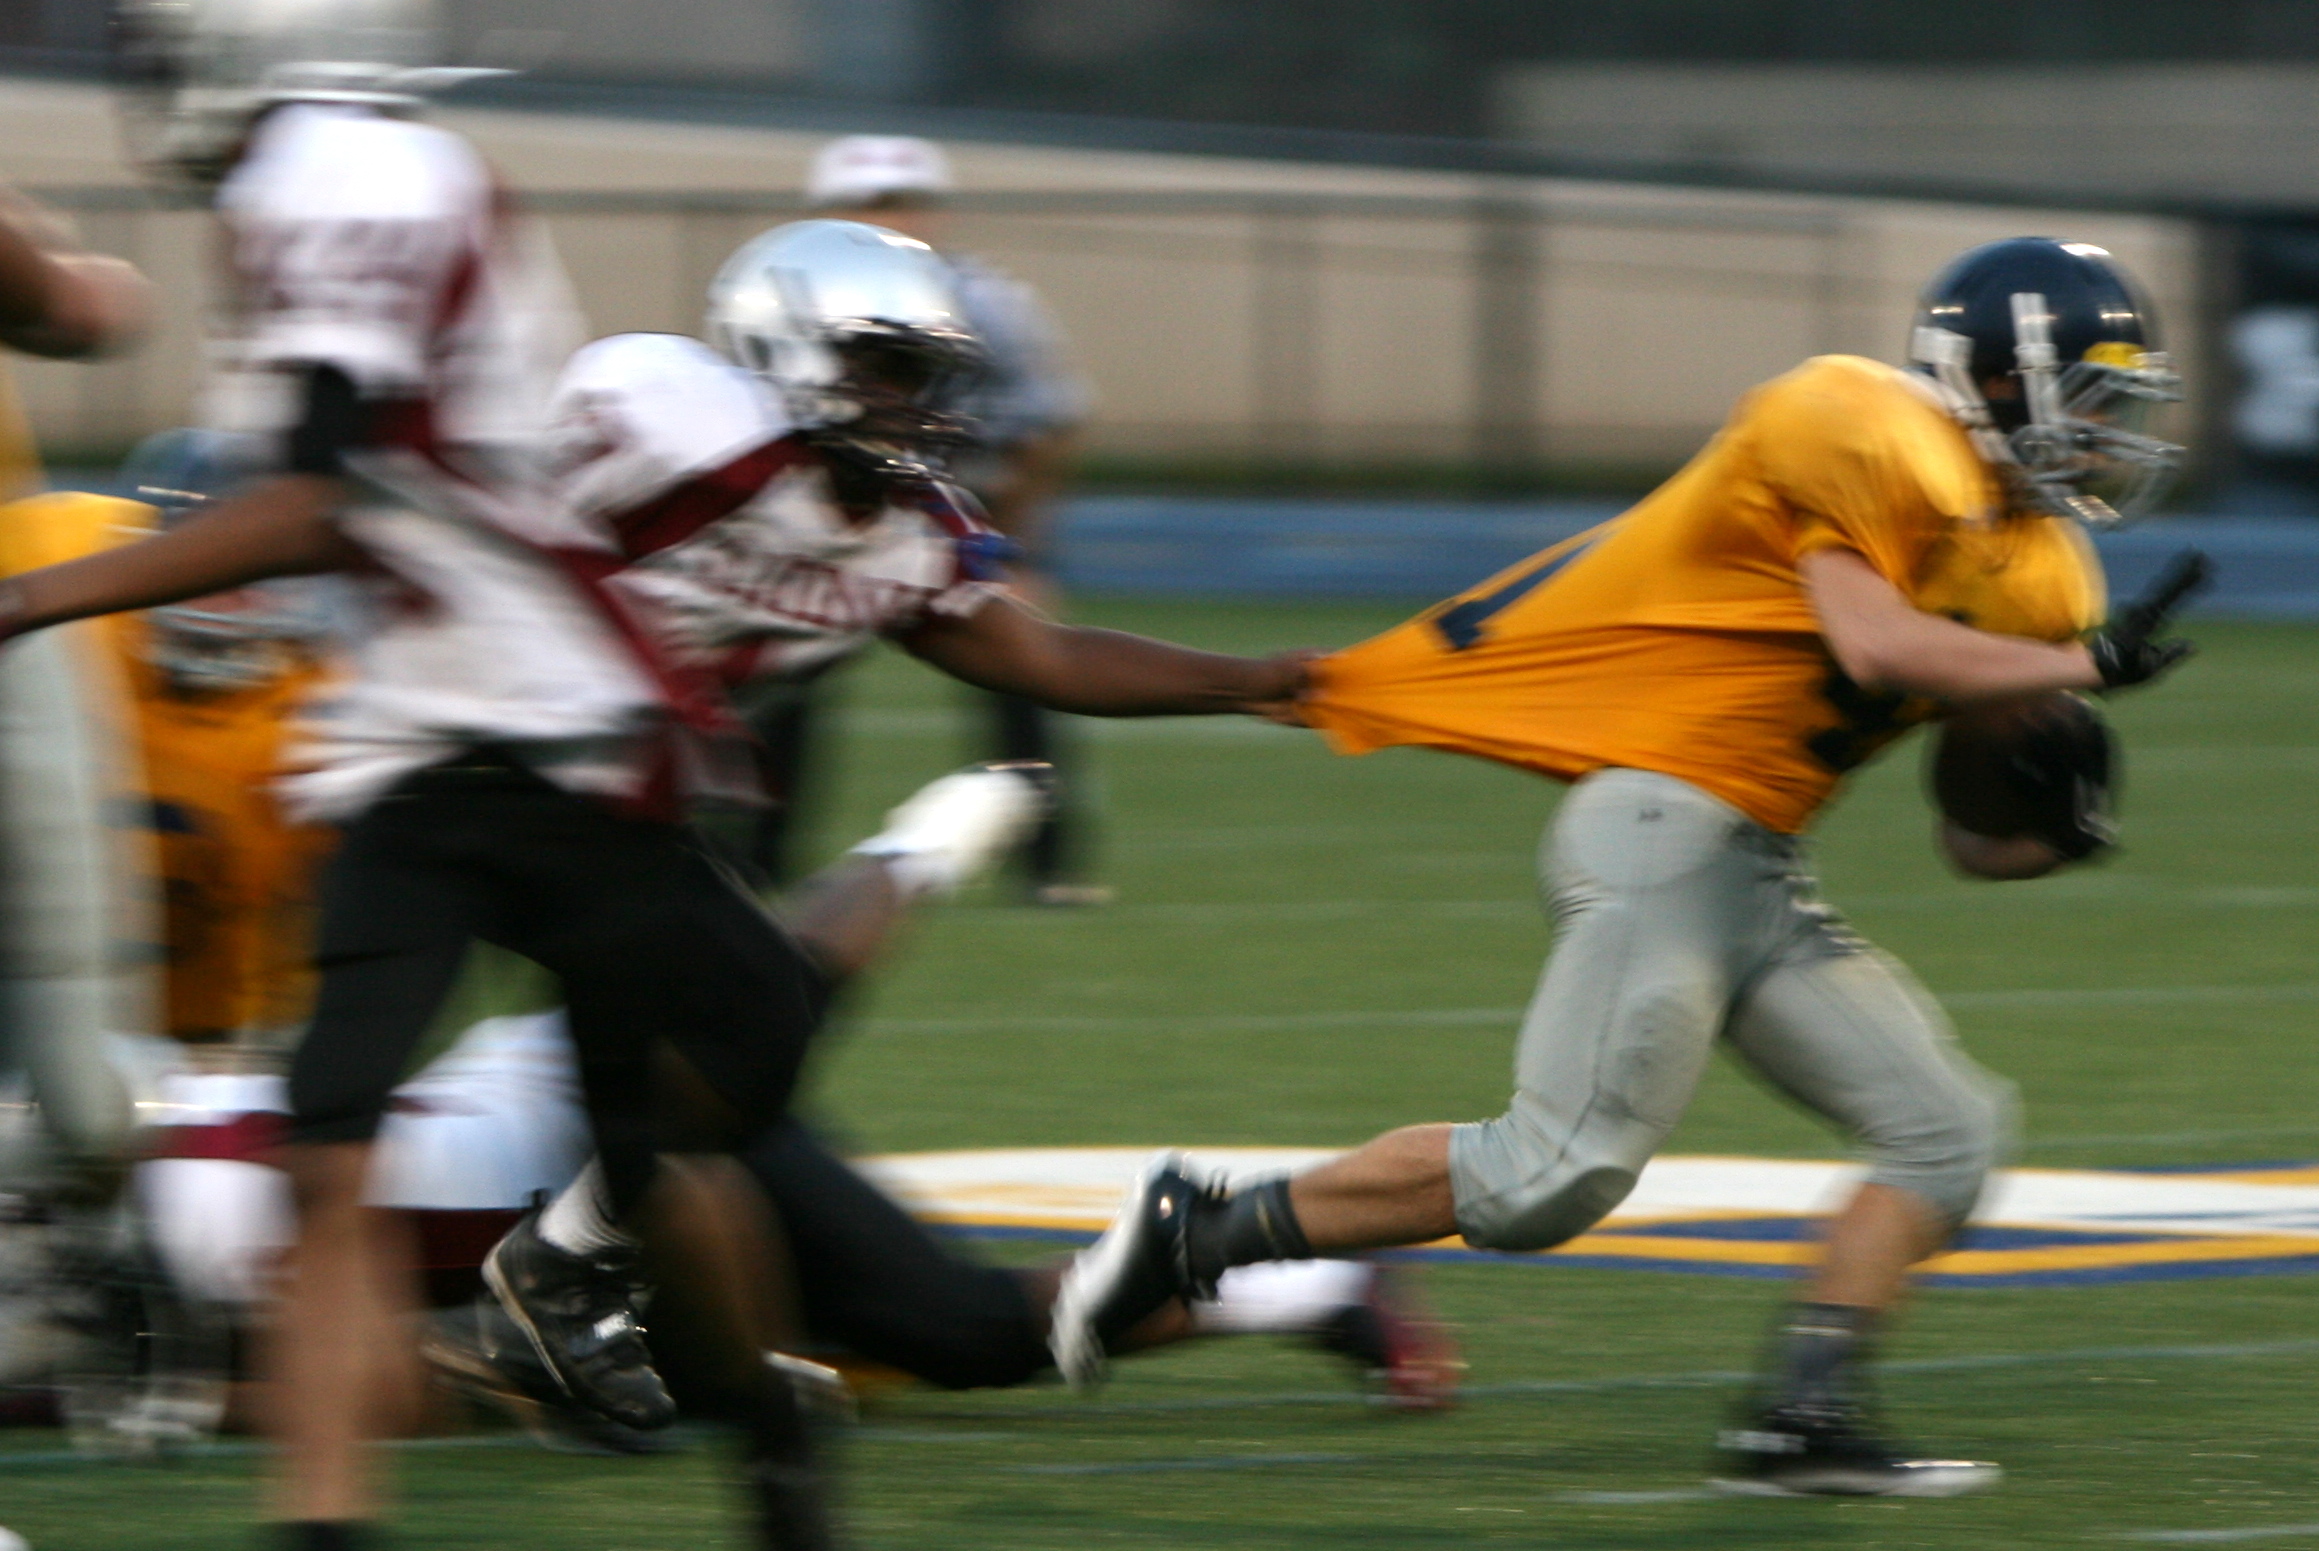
1229,312
697,40
2189,131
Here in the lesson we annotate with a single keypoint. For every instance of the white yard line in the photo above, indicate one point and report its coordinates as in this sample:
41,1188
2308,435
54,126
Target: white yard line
1252,1023
1145,1467
1680,1494
1526,907
2025,998
2216,1537
1713,1378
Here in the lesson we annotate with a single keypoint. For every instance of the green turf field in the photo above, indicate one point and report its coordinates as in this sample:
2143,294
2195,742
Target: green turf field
1309,949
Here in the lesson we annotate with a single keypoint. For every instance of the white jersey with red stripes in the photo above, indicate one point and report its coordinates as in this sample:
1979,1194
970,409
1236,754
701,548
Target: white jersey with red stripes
383,248
736,548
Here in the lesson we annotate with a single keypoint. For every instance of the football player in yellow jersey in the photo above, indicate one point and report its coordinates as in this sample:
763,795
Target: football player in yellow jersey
207,691
216,684
1860,549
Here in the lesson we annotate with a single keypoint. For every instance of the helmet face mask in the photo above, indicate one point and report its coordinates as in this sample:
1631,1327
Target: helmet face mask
2061,327
857,330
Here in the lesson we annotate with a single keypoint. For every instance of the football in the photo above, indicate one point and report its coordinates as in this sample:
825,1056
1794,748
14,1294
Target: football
1986,761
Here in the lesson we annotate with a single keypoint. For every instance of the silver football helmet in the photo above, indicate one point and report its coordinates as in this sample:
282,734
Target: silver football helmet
859,331
194,73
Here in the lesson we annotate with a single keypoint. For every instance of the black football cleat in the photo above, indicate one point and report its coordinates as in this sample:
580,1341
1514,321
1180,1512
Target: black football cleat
1403,1355
481,1354
1828,1451
578,1315
1142,1262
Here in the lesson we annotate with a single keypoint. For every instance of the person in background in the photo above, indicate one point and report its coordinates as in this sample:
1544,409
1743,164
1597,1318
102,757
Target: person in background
1025,409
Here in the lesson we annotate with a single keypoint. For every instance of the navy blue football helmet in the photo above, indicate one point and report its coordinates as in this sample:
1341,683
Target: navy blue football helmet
2047,354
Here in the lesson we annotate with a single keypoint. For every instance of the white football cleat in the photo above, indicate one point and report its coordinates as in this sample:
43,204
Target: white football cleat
1132,1272
952,830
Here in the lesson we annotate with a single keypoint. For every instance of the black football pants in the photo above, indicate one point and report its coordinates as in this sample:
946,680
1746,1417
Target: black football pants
657,947
654,944
873,1280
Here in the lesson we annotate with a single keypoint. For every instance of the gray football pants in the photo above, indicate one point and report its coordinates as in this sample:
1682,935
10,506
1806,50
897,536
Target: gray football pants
64,891
1679,921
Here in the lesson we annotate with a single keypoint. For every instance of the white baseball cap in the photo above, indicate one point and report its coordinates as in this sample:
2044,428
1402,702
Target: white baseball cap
861,168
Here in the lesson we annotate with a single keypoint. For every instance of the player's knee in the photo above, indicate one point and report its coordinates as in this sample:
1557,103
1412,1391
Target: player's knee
1946,1154
1520,1187
1551,1212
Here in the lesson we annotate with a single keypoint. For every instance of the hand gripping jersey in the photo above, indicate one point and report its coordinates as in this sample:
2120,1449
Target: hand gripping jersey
1678,637
381,247
738,556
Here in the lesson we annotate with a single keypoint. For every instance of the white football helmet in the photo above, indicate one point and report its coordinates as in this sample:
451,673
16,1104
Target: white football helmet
195,72
857,328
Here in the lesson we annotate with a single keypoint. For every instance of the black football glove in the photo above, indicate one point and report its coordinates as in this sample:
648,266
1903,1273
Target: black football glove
2131,648
2065,772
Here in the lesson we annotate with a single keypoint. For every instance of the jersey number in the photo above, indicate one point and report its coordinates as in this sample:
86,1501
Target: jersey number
1460,624
1867,723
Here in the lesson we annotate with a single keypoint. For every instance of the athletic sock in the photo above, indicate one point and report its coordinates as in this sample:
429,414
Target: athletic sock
579,1222
1258,1222
325,1535
1818,1347
1287,1297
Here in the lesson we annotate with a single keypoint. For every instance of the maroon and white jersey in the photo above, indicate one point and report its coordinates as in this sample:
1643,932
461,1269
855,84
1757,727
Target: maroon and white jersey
738,553
382,247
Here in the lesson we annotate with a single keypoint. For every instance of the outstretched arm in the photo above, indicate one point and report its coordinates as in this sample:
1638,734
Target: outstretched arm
1884,642
280,528
1006,647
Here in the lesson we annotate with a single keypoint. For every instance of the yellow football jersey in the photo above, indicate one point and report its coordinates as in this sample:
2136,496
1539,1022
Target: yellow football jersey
235,873
1678,637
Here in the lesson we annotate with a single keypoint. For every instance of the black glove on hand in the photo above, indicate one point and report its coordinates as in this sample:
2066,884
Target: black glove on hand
2064,773
2128,650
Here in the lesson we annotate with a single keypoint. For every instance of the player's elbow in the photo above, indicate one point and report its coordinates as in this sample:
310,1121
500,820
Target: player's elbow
1873,659
1875,634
